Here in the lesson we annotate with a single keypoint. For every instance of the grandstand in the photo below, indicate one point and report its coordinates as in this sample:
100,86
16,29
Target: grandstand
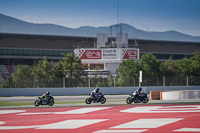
25,49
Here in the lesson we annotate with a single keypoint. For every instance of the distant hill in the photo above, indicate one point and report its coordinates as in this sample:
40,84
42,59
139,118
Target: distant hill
13,25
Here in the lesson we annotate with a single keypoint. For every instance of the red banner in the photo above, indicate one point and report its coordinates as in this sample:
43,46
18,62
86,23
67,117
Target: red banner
90,54
130,54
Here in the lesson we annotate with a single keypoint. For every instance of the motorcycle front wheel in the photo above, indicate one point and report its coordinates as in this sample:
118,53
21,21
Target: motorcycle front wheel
88,100
37,103
129,100
103,100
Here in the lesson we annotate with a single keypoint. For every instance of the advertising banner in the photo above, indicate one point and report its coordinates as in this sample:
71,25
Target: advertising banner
107,54
90,54
130,54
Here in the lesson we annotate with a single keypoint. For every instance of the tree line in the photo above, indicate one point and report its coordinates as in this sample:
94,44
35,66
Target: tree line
69,72
47,74
173,72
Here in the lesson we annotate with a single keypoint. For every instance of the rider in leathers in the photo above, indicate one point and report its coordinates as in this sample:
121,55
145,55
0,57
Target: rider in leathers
96,93
46,96
137,92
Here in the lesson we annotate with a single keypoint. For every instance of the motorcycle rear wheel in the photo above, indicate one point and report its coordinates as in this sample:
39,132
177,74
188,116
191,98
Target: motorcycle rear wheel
37,103
88,100
129,100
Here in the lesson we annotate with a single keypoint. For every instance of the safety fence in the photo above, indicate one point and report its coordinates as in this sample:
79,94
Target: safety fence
110,81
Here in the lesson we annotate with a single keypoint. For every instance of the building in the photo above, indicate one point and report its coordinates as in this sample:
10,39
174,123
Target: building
25,49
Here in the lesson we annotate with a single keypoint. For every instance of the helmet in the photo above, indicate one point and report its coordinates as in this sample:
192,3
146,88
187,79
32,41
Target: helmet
140,89
47,93
97,90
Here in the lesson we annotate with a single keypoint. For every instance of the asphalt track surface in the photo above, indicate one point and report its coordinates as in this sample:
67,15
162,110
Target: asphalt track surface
76,101
148,118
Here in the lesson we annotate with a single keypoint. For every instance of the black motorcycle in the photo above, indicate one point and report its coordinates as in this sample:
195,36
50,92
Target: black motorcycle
137,98
100,98
44,101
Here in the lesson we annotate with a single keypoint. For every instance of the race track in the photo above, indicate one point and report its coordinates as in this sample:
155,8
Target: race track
154,118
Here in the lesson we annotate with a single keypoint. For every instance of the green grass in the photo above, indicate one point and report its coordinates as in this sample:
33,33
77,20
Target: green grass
15,103
73,102
32,103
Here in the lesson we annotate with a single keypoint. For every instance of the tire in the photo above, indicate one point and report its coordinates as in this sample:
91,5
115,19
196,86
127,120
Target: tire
51,103
37,103
103,100
129,100
88,100
145,100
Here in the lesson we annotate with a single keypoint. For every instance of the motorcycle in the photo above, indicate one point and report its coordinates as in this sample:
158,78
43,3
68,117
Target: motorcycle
137,98
93,99
44,101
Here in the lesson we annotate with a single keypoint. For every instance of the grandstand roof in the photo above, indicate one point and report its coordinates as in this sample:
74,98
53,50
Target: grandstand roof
54,42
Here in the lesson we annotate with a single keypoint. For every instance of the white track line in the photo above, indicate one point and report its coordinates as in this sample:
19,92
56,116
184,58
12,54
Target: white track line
67,124
71,124
11,111
75,111
148,123
120,131
83,110
188,130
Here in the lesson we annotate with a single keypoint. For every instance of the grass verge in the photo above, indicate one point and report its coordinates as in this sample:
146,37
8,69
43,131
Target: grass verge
32,103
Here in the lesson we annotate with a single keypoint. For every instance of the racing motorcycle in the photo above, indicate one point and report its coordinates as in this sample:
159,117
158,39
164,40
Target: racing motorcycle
137,98
100,98
44,101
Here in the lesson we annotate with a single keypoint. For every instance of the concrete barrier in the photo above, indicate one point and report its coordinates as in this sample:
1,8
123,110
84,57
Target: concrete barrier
181,95
86,90
65,91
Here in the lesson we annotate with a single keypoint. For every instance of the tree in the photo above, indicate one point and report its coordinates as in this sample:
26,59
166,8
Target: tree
22,77
184,67
43,73
72,68
110,80
150,67
195,65
169,68
19,79
127,71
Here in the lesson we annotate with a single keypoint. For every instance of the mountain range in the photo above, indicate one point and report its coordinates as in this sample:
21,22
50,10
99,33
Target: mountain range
12,25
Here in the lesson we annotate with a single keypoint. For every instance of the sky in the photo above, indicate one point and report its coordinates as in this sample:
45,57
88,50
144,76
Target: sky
148,15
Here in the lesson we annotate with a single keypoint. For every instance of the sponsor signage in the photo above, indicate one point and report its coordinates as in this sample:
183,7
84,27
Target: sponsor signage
108,54
130,54
90,54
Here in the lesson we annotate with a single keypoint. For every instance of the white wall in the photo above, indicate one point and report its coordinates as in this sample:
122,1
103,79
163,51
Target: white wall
181,95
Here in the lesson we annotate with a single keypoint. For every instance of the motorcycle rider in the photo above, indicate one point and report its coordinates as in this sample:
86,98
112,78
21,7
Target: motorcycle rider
137,92
96,93
46,96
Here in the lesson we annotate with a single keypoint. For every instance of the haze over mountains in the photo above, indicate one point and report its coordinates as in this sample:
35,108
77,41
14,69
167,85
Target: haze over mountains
13,25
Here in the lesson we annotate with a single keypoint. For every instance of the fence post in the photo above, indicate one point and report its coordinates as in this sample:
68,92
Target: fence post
64,82
89,82
134,81
187,80
163,80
